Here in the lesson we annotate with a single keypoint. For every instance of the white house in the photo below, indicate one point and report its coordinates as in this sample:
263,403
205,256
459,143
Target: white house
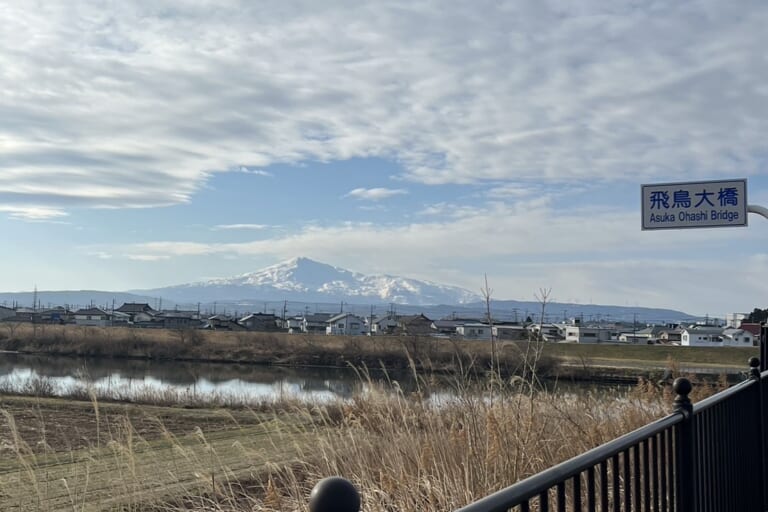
549,332
702,336
347,324
737,338
474,331
314,323
294,324
584,334
510,332
384,325
95,317
649,334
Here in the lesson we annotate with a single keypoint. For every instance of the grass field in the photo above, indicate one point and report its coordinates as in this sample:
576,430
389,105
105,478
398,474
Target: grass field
658,354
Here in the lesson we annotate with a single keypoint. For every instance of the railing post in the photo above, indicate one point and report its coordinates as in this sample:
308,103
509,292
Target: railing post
755,366
334,494
685,459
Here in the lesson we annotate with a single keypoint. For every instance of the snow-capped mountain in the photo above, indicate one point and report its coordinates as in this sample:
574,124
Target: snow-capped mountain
303,279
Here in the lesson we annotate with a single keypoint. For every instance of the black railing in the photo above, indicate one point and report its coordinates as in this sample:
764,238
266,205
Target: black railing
707,457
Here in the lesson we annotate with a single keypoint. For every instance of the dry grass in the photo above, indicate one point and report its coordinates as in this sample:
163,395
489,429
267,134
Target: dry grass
404,452
424,353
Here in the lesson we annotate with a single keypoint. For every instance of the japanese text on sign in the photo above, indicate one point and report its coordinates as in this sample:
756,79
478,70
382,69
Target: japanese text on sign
694,205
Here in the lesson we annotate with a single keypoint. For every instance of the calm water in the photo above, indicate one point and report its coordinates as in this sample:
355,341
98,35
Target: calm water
251,381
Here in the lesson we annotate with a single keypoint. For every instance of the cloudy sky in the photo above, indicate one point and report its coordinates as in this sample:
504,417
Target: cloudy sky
149,143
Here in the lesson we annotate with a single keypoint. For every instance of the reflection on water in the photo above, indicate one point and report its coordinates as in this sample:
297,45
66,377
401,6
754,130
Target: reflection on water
252,381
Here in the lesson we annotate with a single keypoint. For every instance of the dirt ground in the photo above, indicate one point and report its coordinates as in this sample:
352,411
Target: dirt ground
53,424
61,454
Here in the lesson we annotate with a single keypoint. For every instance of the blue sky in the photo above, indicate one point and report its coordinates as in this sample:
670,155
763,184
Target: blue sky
146,143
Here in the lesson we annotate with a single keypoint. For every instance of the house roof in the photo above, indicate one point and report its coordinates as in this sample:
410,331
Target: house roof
447,324
732,331
134,307
91,311
411,318
751,327
220,318
705,330
340,316
653,330
259,316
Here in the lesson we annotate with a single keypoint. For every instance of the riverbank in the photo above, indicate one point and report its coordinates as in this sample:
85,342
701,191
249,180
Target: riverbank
613,362
404,453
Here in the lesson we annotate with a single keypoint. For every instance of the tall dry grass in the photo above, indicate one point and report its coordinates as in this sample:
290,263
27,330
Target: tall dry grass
426,353
403,451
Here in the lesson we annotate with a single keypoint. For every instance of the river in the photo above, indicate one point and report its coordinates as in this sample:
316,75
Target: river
254,382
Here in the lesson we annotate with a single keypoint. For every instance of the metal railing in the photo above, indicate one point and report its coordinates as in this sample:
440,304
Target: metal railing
707,457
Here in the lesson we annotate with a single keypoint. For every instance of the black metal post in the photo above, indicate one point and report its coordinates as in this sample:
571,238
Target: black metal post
763,348
334,494
685,460
755,365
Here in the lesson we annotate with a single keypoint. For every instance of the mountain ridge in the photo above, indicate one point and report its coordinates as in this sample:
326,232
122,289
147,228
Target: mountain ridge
305,279
301,284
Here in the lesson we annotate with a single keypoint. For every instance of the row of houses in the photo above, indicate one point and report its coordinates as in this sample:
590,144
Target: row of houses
746,335
142,315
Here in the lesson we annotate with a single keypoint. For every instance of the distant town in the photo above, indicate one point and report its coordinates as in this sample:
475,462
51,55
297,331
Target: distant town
734,331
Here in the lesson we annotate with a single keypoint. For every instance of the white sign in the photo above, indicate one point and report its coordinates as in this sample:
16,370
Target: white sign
704,204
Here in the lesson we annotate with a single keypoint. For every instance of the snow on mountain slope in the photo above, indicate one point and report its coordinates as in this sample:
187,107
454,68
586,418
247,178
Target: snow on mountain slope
308,280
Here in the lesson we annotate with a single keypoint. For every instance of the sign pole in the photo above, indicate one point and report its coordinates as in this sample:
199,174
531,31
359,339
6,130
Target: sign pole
762,211
759,210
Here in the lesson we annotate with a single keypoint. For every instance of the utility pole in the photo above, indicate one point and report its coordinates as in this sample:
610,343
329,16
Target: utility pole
370,322
634,327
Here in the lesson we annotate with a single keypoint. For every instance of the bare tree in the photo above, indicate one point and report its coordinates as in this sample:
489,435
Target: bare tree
534,350
530,382
486,292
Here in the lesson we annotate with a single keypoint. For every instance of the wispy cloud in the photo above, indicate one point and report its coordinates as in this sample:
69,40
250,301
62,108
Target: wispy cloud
34,213
255,172
141,115
148,257
375,194
225,227
449,210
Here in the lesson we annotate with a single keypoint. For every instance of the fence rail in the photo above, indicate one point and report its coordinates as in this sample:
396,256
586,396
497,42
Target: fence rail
704,457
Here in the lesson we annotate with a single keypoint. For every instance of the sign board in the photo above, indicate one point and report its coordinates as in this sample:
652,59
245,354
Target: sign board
703,204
